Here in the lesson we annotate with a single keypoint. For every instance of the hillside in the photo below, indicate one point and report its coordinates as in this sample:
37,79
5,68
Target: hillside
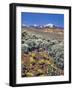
42,52
47,33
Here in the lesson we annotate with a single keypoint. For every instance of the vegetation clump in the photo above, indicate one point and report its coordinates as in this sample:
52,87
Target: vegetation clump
41,57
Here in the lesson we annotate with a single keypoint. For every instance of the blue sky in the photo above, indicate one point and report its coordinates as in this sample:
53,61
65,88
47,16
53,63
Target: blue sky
42,19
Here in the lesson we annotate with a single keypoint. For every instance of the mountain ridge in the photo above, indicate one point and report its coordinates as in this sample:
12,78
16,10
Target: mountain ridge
49,25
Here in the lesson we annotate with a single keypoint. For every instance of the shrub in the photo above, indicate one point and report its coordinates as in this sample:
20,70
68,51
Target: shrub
57,52
54,48
24,48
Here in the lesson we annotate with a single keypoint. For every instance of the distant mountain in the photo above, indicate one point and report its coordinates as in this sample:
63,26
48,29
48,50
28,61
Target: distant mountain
50,25
24,25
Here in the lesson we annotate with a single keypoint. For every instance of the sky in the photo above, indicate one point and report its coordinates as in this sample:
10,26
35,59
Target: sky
42,19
